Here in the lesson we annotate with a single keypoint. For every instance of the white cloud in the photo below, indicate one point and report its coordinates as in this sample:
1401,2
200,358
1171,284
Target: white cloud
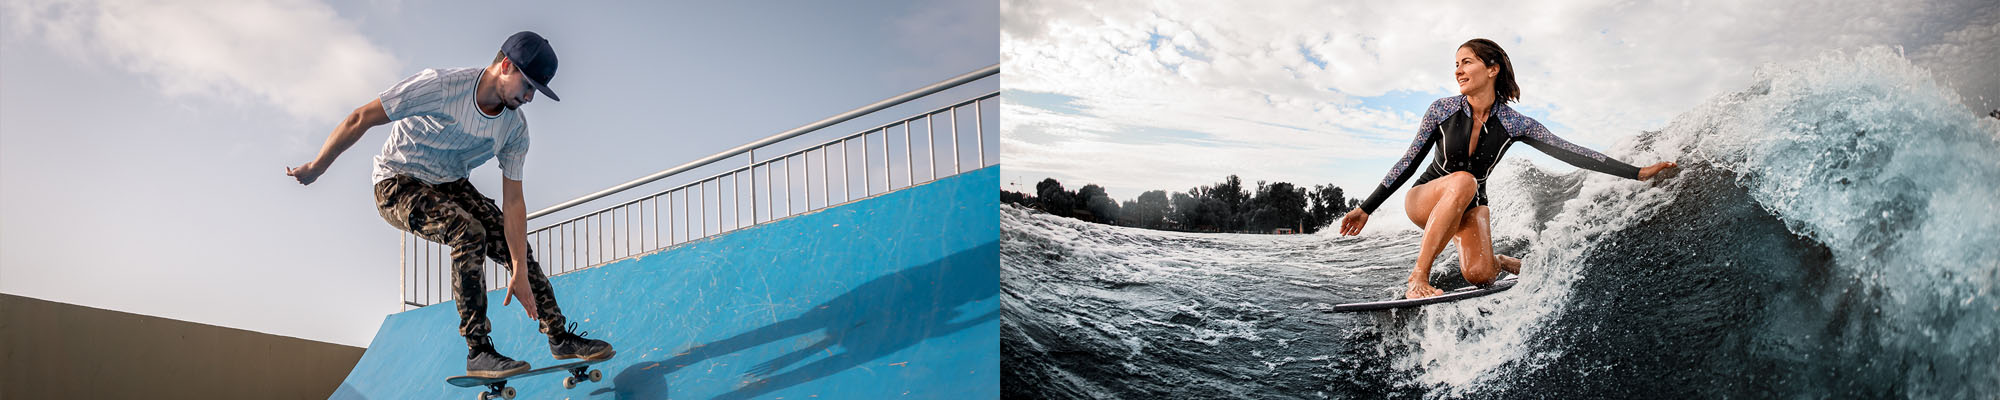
295,55
1252,79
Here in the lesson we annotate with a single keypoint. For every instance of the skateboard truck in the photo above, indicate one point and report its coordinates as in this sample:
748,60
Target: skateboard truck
578,376
497,390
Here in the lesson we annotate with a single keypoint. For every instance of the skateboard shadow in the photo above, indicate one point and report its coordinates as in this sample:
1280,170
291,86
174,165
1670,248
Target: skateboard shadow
875,319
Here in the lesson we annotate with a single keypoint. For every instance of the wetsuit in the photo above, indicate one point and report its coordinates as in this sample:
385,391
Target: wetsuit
1446,126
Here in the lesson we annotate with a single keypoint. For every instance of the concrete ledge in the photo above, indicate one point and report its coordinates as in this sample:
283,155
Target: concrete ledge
64,351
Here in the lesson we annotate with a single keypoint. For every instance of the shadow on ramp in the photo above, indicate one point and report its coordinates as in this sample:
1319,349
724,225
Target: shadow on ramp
881,317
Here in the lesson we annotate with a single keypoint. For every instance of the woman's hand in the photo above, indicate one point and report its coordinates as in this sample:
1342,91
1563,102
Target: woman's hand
1351,224
1647,173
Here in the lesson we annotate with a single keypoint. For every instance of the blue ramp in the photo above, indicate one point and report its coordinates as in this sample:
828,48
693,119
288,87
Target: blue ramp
890,297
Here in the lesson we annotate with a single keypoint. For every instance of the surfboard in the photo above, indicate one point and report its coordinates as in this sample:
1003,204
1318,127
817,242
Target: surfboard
1454,295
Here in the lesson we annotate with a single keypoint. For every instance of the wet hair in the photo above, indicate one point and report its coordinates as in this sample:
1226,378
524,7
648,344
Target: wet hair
1489,53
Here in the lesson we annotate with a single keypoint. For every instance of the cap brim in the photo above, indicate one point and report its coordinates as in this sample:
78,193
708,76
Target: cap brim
539,87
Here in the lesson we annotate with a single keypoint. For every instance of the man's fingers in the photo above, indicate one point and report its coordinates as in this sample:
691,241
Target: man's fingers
529,306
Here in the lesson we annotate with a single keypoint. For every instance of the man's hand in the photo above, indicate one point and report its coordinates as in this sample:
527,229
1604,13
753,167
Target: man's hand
1648,172
350,130
306,174
517,288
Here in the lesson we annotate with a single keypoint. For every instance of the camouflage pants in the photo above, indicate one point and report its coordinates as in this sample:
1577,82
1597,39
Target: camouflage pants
456,215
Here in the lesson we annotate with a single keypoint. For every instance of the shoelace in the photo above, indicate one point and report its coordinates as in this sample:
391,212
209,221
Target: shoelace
571,328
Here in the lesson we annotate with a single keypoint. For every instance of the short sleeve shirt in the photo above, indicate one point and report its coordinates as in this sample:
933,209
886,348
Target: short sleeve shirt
439,134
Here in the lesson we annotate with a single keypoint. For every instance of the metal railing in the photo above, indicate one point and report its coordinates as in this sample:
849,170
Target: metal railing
765,188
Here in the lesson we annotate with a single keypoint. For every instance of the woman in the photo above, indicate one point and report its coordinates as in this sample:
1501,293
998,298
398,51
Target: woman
1449,201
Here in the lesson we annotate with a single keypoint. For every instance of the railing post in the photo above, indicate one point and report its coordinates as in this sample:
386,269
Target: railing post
909,157
826,176
957,167
979,130
846,172
403,269
930,133
888,167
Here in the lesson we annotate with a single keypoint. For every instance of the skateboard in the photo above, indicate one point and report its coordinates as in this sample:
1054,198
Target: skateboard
496,388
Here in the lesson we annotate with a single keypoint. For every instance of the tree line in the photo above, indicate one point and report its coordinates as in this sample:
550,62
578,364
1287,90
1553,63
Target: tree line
1226,206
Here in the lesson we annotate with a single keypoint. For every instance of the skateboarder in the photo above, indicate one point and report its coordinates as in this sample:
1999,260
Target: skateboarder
447,122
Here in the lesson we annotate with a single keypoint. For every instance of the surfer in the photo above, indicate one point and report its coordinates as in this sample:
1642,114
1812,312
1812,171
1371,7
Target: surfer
1449,200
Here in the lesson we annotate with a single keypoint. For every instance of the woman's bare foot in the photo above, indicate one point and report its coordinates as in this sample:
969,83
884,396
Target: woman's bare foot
1510,264
1421,289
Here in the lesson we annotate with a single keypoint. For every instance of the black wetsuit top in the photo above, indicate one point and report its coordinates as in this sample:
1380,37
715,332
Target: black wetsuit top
1446,126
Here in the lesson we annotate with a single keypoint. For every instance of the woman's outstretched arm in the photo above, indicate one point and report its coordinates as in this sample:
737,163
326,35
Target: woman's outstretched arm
1528,130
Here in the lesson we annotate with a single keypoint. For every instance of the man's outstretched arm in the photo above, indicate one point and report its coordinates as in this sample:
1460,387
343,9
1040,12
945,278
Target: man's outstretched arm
349,131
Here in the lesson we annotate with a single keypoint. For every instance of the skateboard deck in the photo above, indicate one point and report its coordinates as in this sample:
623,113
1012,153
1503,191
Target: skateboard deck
579,370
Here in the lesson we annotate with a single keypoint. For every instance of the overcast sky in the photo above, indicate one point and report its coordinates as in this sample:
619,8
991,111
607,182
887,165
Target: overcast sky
1143,95
143,143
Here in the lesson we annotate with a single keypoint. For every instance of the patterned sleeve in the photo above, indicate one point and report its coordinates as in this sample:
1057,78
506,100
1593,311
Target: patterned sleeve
417,95
1419,147
1528,130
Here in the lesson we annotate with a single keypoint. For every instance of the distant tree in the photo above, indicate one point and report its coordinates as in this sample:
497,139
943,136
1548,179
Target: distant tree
1211,215
1226,206
1125,215
1053,198
1230,193
1092,198
1328,204
1149,210
1183,210
1277,205
1012,197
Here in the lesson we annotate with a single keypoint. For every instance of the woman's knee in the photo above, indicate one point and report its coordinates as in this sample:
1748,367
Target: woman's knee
1480,271
1460,185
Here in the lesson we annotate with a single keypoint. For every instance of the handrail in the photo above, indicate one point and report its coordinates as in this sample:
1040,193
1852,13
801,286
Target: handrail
794,132
776,187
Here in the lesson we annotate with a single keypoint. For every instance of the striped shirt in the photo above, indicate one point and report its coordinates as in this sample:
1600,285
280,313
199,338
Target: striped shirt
440,134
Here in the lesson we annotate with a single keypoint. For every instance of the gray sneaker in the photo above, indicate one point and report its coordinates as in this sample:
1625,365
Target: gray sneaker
484,362
567,345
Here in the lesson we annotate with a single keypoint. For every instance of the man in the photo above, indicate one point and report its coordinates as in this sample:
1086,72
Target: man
447,122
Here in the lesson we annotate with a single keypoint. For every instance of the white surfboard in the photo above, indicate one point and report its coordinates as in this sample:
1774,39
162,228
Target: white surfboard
1455,295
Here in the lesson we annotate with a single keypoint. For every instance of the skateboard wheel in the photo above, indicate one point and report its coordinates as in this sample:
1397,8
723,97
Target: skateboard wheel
482,396
507,393
596,375
569,382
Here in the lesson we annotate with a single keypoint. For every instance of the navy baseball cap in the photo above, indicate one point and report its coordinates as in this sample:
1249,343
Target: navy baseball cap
532,55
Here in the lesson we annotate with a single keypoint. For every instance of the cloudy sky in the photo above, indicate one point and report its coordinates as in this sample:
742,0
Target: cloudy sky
1143,95
143,143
